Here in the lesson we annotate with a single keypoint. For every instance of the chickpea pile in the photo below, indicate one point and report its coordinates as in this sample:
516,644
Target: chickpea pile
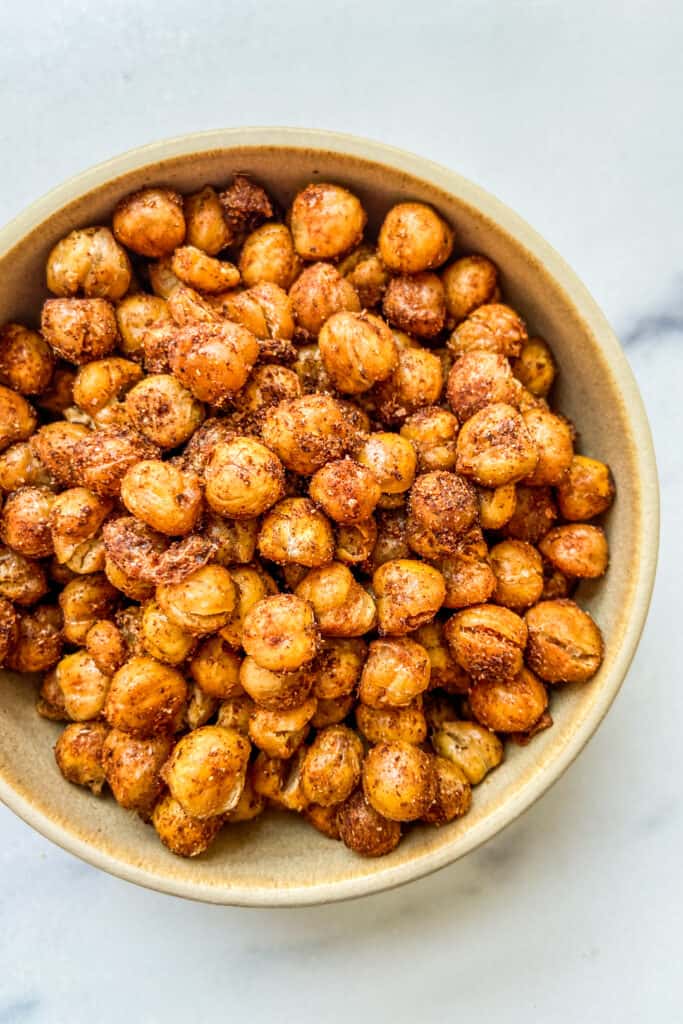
287,520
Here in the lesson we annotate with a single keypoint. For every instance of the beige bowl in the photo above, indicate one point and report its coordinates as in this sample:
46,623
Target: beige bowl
280,860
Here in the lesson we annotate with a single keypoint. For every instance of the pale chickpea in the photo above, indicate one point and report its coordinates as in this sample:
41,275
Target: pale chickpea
207,770
268,254
79,330
281,733
102,457
182,834
243,478
553,438
496,506
468,282
467,571
535,512
20,466
395,673
432,432
277,691
279,632
478,379
409,593
54,445
132,769
487,641
518,569
414,238
295,531
235,712
146,698
392,461
535,367
162,638
326,221
17,418
307,432
78,753
470,746
495,447
364,269
332,711
577,549
338,666
387,724
150,222
331,767
445,673
84,688
24,521
75,518
345,490
206,225
22,580
416,304
355,544
586,490
202,602
106,646
364,830
213,360
357,350
26,362
83,602
512,705
163,496
490,328
417,381
453,796
342,607
399,780
89,261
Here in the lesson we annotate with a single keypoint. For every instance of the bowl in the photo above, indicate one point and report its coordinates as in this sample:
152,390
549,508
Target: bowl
279,859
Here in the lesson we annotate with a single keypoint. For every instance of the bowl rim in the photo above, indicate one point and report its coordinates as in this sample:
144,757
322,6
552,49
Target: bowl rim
449,182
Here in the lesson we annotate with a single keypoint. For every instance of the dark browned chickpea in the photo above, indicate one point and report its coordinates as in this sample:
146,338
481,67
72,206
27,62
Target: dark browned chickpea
206,226
198,270
24,521
25,360
326,221
295,531
54,445
416,304
277,691
213,360
100,388
234,713
467,571
268,254
202,602
495,447
84,601
513,705
487,641
280,633
132,768
392,461
146,698
78,753
163,496
135,316
518,569
59,395
355,544
416,381
307,432
207,770
496,506
445,673
89,261
432,432
445,505
578,550
535,367
364,830
281,733
106,646
409,593
17,418
338,667
345,490
490,328
479,379
245,205
20,466
470,746
535,512
342,607
586,490
179,832
357,350
150,222
395,673
399,780
331,768
365,271
453,796
163,410
79,329
162,638
565,645
21,579
84,688
468,282
243,478
387,724
102,458
553,439
413,238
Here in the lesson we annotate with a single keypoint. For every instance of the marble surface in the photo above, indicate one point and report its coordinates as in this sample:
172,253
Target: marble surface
571,114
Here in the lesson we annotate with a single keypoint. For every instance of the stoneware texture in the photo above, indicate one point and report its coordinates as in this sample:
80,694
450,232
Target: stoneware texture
279,860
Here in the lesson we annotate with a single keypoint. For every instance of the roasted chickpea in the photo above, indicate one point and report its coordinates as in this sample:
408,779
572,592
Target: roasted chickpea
163,638
357,350
146,698
326,221
553,439
416,304
26,361
364,830
20,466
79,329
578,550
444,504
432,432
267,386
535,367
200,707
252,584
495,447
338,667
243,478
84,688
163,410
409,593
395,673
100,388
76,516
468,282
295,531
249,805
132,768
179,832
308,366
342,607
331,768
22,580
487,641
102,458
496,506
467,571
332,711
355,543
535,512
268,254
392,540
387,724
453,796
478,379
213,360
490,328
162,279
414,238
365,271
205,222
555,583
24,521
345,490
202,602
106,646
323,819
471,747
518,569
84,601
586,490
392,461
281,733
163,496
399,780
78,753
89,261
134,588
59,395
17,418
35,645
235,713
416,381
207,770
307,432
215,667
445,673
513,705
279,632
54,445
277,691
135,316
150,222
198,270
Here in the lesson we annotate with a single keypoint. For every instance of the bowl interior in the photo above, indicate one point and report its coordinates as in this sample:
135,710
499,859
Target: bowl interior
280,859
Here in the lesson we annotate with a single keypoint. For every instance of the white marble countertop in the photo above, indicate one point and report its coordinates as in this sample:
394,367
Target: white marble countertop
571,113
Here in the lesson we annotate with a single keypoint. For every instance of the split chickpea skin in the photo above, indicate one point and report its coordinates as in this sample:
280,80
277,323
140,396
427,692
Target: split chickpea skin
287,519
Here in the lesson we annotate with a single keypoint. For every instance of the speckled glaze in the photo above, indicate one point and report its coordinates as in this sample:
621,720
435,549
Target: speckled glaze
279,859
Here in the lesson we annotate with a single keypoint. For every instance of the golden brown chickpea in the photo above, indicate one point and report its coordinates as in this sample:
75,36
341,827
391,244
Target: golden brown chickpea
213,360
233,540
295,531
326,221
453,796
162,279
413,238
553,439
268,254
535,367
132,768
243,478
277,691
392,541
102,458
135,589
364,830
391,459
146,698
54,445
22,580
84,688
387,724
365,271
76,516
59,395
332,711
24,521
79,329
416,304
417,381
17,418
162,638
586,490
432,432
479,379
357,350
535,512
106,646
84,601
338,667
156,342
445,673
163,496
215,668
266,310
235,712
487,641
331,767
399,780
249,805
189,308
280,780
202,602
100,388
468,282
510,706
444,504
578,550
323,819
26,361
471,747
395,673
518,569
207,770
268,386
198,270
179,832
495,447
163,410
490,328
252,584
135,316
280,633
307,432
409,593
150,222
20,466
206,225
342,607
89,261
78,753
345,490
355,544
281,733
467,571
496,506
555,583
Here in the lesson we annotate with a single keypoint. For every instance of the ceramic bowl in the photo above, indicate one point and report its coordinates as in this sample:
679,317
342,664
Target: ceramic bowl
279,859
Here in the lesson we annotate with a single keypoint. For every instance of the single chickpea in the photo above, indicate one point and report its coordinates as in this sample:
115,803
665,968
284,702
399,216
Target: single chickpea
496,506
134,588
213,360
164,411
518,569
215,667
513,705
553,439
399,780
102,458
432,432
535,512
163,496
281,733
388,724
535,367
146,698
280,632
417,381
414,238
17,418
198,270
332,711
75,518
267,311
243,478
468,282
295,531
84,688
268,254
20,466
235,712
471,747
391,459
162,279
479,379
409,593
442,502
357,350
84,601
206,226
22,580
249,805
202,602
233,540
150,222
416,304
276,691
345,490
179,832
54,445
79,330
90,261
245,205
267,386
586,490
279,780
24,521
495,447
364,830
59,395
106,646
307,432
453,796
132,768
395,673
323,819
342,607
26,362
467,571
326,221
100,388
487,641
490,328
555,583
207,770
252,584
135,316
365,271
577,549
331,767
78,753
355,543
338,666
162,638
36,643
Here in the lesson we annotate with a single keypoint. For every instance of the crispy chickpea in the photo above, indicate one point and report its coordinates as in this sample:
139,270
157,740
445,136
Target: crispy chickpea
277,691
490,328
392,540
79,329
468,282
163,496
135,316
553,439
470,746
24,521
416,304
535,367
205,222
365,271
245,205
357,350
189,308
518,569
399,780
179,832
332,711
17,418
496,506
156,342
215,667
308,366
444,504
233,540
36,644
164,411
331,768
586,490
535,512
22,580
235,712
364,830
136,589
295,531
495,447
479,379
162,279
150,222
213,360
413,238
391,459
146,698
78,753
409,593
280,632
132,768
417,381
355,543
487,641
513,705
163,638
84,688
84,601
54,445
249,805
445,673
100,388
326,221
267,386
467,571
202,602
577,549
76,516
102,458
243,478
395,673
207,770
198,270
345,490
89,261
268,254
338,666
252,584
26,361
307,432
453,796
387,724
555,583
106,646
20,466
59,395
342,607
432,432
281,733
200,707
323,819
